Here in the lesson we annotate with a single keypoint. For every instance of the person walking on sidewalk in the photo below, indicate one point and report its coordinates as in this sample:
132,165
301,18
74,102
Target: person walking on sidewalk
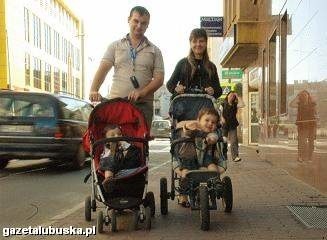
138,66
229,121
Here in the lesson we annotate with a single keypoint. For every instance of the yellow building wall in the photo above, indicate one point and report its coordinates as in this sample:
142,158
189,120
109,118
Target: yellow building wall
3,47
18,46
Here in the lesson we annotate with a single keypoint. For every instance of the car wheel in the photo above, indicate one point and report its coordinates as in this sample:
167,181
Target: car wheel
3,163
78,160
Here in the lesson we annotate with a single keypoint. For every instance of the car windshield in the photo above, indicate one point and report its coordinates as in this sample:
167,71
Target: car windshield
75,109
25,106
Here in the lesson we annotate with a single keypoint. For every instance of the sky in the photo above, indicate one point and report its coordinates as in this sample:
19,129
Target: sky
170,25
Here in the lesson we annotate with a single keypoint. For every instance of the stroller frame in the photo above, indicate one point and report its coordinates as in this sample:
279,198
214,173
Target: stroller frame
143,208
203,187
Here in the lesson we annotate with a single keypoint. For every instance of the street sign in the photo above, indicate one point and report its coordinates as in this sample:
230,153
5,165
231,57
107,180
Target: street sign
212,25
232,74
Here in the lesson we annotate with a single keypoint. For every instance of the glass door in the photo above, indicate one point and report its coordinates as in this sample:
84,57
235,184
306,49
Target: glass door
254,118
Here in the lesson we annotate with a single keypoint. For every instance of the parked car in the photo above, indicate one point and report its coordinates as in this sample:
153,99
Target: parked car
42,125
160,128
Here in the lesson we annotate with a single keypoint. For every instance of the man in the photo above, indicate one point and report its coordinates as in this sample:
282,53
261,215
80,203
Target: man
138,66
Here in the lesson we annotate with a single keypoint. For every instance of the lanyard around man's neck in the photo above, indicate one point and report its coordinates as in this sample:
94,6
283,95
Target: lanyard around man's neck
133,51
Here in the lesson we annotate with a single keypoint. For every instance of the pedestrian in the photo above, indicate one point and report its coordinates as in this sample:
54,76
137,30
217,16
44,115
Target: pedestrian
138,66
229,121
196,71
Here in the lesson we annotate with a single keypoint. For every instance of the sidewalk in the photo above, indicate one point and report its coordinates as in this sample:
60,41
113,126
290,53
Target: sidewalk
261,193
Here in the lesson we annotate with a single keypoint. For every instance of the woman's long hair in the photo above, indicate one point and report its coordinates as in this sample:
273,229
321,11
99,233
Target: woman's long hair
195,34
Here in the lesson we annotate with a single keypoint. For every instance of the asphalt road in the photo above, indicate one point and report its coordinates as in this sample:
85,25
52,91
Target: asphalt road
38,192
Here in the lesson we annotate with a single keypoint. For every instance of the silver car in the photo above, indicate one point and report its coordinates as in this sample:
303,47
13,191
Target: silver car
160,128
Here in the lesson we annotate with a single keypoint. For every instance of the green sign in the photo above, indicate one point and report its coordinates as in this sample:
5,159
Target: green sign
232,74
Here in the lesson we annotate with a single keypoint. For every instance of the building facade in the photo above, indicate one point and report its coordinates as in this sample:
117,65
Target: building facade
280,45
41,47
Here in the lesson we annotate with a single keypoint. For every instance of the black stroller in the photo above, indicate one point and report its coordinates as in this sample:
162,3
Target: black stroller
203,187
130,185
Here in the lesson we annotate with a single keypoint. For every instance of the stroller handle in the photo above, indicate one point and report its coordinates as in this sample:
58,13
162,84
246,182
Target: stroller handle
118,139
188,139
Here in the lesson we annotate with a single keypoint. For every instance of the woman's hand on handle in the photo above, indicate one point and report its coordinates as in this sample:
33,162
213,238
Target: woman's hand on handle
180,89
209,90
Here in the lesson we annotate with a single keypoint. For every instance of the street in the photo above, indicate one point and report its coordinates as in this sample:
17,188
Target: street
51,196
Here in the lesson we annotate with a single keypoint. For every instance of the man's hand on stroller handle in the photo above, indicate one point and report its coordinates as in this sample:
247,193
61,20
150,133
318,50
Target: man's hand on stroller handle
95,96
135,95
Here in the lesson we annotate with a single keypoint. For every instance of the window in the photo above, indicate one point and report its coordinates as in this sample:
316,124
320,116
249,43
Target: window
27,69
37,31
75,109
47,38
56,44
272,76
283,57
47,77
56,80
64,82
37,73
77,87
27,24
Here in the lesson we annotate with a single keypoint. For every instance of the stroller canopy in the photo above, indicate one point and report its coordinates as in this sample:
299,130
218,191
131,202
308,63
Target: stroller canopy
116,111
187,106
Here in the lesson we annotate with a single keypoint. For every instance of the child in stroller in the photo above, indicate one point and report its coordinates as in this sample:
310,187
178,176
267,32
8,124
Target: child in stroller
203,152
128,191
202,187
117,156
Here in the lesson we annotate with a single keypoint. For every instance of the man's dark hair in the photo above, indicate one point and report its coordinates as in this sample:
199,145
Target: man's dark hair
141,10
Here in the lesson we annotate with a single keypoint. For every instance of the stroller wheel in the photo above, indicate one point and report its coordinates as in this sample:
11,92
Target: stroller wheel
227,194
113,223
147,222
88,208
100,221
149,200
163,196
204,208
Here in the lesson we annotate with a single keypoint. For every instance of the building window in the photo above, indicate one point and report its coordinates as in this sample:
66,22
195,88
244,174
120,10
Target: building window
27,24
47,77
56,45
27,70
77,61
56,80
37,31
37,73
64,82
47,38
272,76
77,87
283,57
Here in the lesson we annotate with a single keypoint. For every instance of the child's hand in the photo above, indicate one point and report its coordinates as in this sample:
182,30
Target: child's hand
212,138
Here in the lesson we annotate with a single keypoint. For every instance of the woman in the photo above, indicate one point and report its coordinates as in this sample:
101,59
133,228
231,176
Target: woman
230,105
306,122
195,71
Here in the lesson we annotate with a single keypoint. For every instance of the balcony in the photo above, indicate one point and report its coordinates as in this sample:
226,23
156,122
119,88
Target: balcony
240,46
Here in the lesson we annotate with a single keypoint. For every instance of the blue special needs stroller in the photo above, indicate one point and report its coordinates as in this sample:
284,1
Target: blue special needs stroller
202,187
128,190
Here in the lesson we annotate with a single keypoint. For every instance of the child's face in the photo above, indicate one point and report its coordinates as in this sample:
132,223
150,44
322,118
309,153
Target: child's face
208,122
113,133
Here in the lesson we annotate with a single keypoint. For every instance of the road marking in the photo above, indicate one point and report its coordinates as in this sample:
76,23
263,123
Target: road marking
164,150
